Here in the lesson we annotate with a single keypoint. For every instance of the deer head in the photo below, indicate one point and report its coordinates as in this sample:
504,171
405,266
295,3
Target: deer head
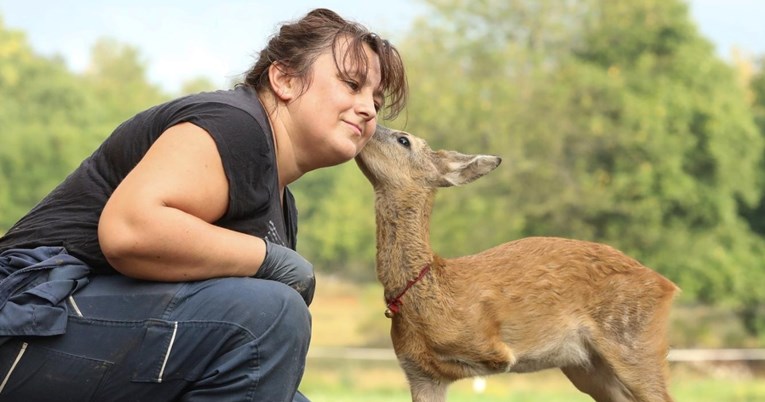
398,159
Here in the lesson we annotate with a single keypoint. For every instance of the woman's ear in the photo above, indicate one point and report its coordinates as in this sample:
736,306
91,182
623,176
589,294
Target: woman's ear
282,83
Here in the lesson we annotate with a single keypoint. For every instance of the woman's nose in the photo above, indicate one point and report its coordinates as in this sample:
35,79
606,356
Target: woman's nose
366,108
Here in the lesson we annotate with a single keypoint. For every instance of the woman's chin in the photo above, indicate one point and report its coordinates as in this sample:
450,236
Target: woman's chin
349,152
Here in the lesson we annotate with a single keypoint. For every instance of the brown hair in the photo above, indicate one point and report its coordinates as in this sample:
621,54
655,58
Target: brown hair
297,45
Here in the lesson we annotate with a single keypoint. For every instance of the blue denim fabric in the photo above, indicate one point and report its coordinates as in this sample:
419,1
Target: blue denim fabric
33,284
228,339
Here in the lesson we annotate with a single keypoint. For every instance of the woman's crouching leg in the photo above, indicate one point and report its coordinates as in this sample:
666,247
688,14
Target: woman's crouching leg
254,332
231,339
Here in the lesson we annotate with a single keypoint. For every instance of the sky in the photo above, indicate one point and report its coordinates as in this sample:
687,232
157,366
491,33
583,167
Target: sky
184,39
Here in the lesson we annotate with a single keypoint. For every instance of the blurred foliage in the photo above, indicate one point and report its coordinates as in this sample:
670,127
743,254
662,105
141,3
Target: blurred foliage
616,123
337,221
52,118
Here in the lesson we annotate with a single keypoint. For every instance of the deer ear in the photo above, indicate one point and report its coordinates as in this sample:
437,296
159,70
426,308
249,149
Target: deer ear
456,169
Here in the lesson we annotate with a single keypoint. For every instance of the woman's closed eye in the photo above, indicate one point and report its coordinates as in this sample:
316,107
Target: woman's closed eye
353,85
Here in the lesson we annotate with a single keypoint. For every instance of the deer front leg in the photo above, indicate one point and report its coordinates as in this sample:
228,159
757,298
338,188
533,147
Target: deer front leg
427,390
424,388
500,358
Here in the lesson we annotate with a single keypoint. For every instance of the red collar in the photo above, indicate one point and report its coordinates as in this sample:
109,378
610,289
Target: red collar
394,304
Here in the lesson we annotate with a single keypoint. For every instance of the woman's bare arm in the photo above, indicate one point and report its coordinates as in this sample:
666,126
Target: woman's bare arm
157,223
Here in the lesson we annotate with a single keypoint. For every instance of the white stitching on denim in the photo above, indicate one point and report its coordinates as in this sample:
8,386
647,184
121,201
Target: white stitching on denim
13,366
74,306
167,354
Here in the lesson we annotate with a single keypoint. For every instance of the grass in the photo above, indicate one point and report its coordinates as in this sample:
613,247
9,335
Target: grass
346,315
365,382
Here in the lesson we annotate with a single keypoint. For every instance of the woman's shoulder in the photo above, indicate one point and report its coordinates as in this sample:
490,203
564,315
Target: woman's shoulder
240,97
228,104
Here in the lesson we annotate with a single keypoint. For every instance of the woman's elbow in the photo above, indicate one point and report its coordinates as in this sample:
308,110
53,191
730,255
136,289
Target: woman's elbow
120,244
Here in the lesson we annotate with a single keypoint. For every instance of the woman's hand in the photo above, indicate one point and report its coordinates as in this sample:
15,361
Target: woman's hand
287,266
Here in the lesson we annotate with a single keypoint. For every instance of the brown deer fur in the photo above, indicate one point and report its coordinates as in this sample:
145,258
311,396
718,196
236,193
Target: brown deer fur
522,306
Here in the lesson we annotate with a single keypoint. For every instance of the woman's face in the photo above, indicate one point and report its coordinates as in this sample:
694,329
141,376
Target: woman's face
335,117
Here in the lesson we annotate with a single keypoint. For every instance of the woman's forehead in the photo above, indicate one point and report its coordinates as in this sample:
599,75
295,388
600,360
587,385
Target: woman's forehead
352,62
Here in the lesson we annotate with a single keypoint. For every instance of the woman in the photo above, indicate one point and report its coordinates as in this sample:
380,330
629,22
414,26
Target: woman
163,268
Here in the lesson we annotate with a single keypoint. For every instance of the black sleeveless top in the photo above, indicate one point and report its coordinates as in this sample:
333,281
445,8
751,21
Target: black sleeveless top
235,119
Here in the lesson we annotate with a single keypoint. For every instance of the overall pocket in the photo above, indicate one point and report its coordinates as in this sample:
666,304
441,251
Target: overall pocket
173,351
156,348
26,370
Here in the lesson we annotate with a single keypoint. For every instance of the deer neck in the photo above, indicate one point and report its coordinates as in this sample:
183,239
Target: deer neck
403,235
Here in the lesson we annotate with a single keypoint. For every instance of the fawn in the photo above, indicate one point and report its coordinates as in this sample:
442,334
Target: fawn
523,306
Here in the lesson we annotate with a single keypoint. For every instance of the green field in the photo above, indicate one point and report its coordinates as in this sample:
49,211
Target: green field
354,381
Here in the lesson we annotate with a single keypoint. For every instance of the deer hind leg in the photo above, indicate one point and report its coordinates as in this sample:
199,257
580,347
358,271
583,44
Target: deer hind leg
599,381
626,368
639,357
629,347
624,372
641,371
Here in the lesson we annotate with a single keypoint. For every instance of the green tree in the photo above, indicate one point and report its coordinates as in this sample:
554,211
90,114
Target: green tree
756,215
685,141
117,76
757,86
51,118
42,110
199,84
754,309
337,224
616,122
687,153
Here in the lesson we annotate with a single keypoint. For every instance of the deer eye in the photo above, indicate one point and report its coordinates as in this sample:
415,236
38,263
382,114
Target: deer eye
404,141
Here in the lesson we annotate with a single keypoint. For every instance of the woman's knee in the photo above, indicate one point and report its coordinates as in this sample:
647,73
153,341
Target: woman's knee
284,306
259,306
305,284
